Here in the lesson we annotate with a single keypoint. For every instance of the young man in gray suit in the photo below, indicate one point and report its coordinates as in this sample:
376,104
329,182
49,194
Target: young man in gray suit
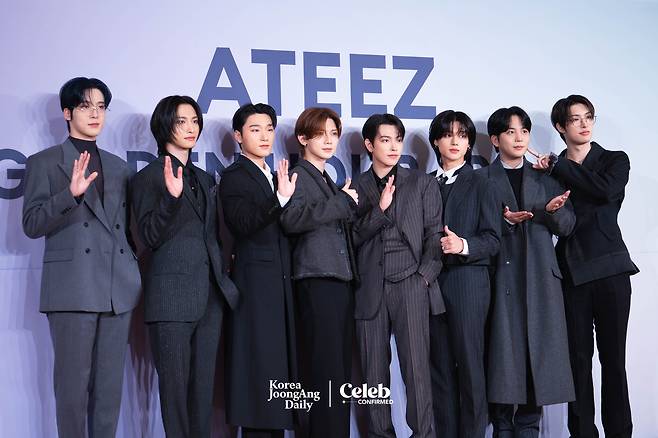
397,235
75,196
528,361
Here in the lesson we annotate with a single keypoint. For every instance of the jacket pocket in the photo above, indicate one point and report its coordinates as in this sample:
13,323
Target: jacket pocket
58,255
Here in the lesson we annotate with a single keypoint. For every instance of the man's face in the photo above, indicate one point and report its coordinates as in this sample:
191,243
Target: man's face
86,120
256,137
323,145
453,145
513,143
186,128
579,125
387,147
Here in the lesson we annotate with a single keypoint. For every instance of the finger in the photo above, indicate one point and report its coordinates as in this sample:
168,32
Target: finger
506,209
392,189
447,230
180,173
91,177
566,194
293,179
348,181
74,172
532,152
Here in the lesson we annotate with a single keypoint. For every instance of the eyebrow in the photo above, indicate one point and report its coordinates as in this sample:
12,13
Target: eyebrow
579,115
258,126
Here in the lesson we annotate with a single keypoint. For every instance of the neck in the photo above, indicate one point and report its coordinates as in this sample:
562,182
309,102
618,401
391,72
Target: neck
578,152
82,137
317,162
258,161
380,169
511,161
446,165
181,154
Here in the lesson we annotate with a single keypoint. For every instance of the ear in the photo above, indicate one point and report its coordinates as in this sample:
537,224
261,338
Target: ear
302,140
67,114
494,140
436,142
560,129
237,136
369,145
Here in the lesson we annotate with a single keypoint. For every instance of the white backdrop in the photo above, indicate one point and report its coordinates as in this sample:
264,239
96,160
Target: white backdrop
421,57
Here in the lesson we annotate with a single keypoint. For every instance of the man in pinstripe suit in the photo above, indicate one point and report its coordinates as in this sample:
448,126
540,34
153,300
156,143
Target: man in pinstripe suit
399,257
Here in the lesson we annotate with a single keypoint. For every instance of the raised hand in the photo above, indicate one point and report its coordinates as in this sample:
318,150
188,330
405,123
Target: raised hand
80,183
516,217
451,243
285,185
542,160
387,194
174,183
353,194
558,202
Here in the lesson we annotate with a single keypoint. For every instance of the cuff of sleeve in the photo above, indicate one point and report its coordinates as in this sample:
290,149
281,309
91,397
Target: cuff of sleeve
283,200
465,250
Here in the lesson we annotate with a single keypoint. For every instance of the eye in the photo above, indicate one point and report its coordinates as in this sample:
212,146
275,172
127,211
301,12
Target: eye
270,129
84,106
525,131
589,117
180,122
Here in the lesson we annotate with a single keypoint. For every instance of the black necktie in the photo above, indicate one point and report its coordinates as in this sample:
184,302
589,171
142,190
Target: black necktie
442,179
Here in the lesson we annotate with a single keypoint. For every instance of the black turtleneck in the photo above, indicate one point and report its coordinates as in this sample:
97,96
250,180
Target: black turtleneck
94,162
515,177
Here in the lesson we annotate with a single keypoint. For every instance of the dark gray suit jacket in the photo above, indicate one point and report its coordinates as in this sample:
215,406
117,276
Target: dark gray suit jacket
185,248
317,217
418,217
88,264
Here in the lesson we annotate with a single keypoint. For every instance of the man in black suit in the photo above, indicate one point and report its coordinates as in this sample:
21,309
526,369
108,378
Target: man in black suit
472,238
597,268
397,235
175,205
260,340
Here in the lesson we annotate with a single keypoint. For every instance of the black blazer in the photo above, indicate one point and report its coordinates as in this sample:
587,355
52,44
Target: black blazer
471,212
260,336
318,216
418,217
595,249
185,246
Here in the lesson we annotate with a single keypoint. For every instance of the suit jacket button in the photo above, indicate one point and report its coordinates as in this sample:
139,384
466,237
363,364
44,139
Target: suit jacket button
507,262
86,224
121,250
341,251
87,251
123,204
339,231
507,292
380,263
117,226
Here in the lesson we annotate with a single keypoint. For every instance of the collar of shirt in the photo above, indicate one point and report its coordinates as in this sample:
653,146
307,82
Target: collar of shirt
84,145
507,166
266,171
450,174
381,182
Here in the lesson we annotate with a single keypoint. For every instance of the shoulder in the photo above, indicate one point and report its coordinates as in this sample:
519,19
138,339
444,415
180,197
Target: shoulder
611,156
153,168
53,153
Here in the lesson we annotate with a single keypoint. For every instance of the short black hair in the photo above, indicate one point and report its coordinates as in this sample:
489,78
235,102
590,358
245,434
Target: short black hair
371,127
500,120
163,120
242,114
443,123
560,112
74,92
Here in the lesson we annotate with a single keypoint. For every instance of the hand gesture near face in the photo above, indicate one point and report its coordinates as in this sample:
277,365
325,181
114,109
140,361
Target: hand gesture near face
558,202
80,183
285,184
174,183
387,194
351,192
516,217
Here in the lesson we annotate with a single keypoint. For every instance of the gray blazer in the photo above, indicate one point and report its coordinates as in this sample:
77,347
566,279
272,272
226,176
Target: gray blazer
418,216
317,217
527,311
88,264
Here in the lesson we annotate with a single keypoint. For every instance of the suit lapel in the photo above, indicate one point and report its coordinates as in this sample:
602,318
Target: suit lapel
369,186
257,175
409,229
113,183
189,194
317,177
504,188
91,197
529,185
460,187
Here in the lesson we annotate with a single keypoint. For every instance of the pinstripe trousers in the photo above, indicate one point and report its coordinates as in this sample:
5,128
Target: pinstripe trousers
404,312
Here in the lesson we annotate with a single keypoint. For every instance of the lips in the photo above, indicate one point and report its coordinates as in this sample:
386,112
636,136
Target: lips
454,150
94,125
190,138
584,132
